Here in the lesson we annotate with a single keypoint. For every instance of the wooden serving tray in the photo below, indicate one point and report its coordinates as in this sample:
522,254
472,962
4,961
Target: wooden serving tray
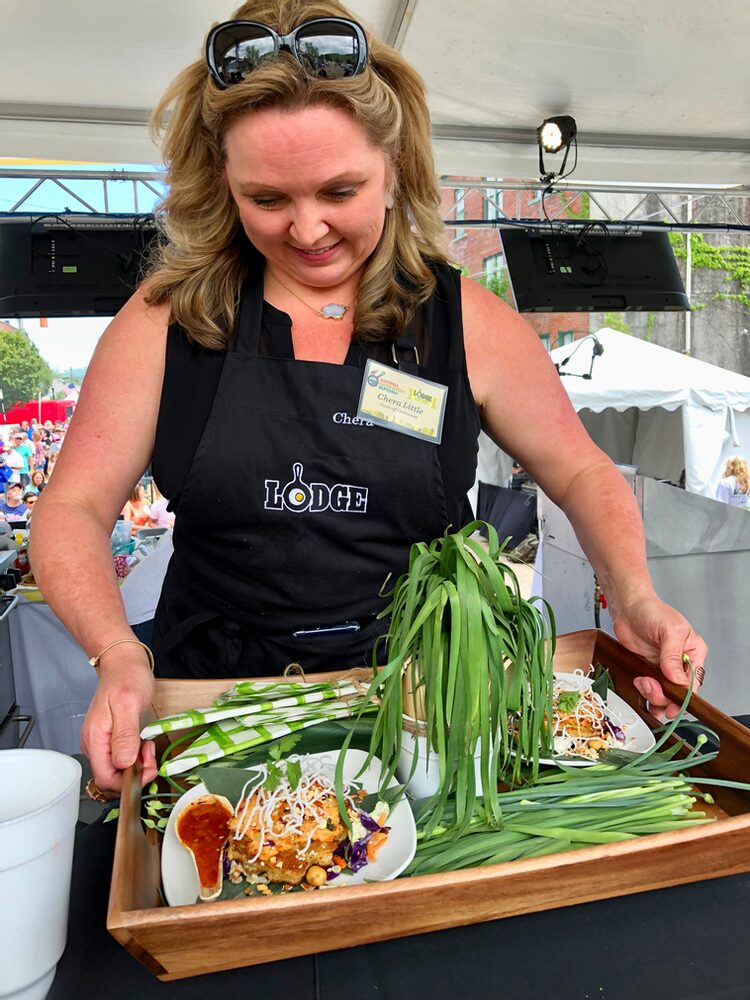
175,942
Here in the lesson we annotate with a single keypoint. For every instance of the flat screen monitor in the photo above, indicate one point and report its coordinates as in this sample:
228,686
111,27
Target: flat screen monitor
70,265
595,271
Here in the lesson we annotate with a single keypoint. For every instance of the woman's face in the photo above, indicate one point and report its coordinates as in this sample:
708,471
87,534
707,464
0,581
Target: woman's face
311,192
37,478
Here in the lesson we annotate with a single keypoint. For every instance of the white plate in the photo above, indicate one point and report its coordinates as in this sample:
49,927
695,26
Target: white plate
180,879
638,737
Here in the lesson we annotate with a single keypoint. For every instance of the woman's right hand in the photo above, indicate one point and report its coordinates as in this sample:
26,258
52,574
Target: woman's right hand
110,736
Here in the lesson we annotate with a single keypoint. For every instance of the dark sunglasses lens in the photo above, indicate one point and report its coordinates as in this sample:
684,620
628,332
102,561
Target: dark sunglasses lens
240,49
328,49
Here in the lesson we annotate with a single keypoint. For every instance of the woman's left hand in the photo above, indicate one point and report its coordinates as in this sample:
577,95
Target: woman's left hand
662,636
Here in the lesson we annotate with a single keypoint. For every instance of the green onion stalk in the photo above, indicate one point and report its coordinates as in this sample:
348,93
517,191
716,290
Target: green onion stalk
569,808
471,660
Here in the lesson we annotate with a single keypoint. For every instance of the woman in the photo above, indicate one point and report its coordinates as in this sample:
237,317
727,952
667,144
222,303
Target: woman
136,509
37,483
734,487
303,240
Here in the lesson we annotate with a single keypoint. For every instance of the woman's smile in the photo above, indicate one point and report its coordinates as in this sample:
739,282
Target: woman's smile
323,255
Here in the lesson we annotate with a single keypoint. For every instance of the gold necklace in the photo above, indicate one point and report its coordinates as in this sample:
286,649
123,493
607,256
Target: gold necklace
331,310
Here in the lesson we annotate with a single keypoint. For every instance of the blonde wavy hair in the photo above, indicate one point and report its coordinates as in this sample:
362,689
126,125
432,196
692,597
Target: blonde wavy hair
200,266
737,466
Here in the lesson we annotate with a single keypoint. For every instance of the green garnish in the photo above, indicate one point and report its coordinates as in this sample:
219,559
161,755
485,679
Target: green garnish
293,773
284,745
567,700
273,780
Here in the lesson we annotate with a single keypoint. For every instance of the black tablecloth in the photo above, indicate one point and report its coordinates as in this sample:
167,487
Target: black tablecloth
691,942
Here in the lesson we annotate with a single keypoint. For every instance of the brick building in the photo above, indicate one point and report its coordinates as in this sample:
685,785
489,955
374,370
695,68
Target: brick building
480,253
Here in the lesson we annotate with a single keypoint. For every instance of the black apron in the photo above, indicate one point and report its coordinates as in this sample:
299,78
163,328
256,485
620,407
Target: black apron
325,508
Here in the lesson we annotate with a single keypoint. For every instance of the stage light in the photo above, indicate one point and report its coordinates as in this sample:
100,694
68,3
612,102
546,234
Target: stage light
553,135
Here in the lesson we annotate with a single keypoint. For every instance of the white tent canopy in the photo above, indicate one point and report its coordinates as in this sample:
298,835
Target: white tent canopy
657,409
660,91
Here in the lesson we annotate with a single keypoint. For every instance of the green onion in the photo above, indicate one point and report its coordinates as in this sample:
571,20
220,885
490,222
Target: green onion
477,659
570,808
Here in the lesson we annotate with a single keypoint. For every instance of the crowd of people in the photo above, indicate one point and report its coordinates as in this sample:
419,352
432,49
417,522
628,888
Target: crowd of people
28,453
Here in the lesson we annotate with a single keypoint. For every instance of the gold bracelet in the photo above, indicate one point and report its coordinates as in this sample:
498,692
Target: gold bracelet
94,661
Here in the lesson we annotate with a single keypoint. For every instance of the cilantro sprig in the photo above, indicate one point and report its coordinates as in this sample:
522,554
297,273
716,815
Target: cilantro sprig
567,700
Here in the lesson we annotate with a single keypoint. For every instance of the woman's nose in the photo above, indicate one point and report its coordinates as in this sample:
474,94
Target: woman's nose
308,227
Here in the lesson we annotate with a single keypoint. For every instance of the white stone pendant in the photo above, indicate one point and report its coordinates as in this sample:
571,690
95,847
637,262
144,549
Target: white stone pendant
334,310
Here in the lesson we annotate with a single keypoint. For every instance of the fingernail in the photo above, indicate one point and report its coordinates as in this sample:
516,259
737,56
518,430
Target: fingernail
641,687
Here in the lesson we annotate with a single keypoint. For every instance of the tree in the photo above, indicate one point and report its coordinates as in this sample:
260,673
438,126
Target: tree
499,284
23,371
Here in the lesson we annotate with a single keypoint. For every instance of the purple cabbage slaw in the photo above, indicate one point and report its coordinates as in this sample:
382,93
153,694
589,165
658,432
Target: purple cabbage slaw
355,854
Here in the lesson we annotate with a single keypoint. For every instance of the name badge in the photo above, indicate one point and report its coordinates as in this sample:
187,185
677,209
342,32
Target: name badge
401,402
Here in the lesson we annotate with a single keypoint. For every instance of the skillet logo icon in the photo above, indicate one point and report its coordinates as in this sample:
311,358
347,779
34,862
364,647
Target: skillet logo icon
374,377
299,496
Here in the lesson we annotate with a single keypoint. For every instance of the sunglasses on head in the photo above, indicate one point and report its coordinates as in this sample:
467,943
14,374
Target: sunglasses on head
330,48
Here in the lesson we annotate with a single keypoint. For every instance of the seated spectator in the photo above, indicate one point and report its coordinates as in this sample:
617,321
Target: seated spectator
13,506
136,510
158,515
29,499
37,483
734,488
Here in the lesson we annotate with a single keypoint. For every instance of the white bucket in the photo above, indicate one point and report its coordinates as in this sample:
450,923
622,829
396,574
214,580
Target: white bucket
39,792
425,781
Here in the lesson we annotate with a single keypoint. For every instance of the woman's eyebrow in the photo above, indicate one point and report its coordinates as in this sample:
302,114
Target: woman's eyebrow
256,186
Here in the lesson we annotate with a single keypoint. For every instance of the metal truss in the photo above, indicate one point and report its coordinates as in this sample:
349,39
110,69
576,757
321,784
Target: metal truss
676,207
132,188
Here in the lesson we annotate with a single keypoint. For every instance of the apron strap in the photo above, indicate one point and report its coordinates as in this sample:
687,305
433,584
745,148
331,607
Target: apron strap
248,323
179,632
404,351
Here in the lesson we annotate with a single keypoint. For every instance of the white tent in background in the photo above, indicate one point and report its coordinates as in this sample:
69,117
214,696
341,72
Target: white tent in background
662,411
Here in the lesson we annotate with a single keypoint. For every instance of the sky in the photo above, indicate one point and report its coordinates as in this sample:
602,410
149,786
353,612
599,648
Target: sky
69,343
66,343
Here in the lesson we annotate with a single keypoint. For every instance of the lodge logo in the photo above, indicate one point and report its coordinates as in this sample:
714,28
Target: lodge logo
299,496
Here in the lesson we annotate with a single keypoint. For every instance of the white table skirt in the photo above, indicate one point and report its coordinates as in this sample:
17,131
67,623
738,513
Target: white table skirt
53,678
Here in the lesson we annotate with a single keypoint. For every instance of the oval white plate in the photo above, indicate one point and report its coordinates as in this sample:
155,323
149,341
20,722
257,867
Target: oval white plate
638,737
180,879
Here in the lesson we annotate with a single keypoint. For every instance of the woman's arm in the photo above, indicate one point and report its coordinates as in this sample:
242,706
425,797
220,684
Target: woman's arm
527,412
108,446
